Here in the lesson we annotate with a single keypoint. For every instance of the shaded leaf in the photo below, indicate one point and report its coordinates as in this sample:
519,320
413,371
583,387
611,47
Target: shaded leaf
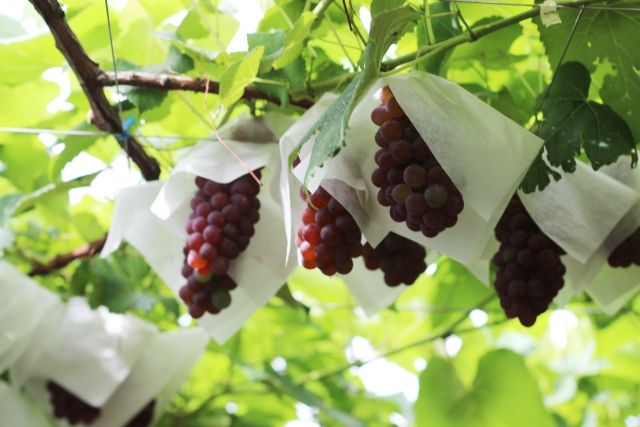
573,124
239,75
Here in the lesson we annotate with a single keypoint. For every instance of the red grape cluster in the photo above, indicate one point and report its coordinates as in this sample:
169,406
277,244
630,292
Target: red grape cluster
329,237
400,259
411,181
68,406
627,252
219,229
144,417
530,272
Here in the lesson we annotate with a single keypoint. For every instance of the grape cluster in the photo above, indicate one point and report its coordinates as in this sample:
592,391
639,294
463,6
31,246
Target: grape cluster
329,237
144,417
219,229
68,406
530,272
411,181
627,253
400,259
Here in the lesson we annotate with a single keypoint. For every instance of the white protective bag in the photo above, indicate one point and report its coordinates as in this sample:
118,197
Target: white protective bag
577,213
162,211
161,369
88,352
17,410
24,304
612,287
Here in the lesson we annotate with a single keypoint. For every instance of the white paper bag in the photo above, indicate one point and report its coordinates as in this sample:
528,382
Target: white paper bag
134,222
611,287
577,213
153,217
88,352
23,305
17,410
167,361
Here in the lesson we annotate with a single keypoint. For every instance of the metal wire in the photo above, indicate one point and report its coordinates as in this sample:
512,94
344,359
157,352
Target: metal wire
113,57
93,134
559,6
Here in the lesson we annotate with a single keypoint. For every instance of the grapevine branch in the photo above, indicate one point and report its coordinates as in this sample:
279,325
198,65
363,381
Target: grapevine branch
63,260
186,83
104,116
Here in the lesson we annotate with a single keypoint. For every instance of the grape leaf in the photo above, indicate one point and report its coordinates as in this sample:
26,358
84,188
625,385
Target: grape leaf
573,124
272,42
330,129
294,40
379,6
539,175
18,203
434,30
239,75
177,61
492,51
603,36
502,391
146,99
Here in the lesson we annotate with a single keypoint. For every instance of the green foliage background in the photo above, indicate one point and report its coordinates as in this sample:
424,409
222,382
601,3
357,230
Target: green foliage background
576,367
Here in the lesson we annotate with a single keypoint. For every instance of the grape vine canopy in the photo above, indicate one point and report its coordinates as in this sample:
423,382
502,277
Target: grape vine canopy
102,96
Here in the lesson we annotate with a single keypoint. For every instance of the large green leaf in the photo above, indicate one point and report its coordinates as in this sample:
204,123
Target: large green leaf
604,37
573,124
503,394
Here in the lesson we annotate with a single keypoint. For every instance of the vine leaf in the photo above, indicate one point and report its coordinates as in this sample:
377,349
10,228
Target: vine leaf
387,26
607,42
19,203
294,40
539,175
445,401
239,75
573,124
431,30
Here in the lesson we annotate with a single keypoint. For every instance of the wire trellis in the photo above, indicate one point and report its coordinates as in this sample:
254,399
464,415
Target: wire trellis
540,5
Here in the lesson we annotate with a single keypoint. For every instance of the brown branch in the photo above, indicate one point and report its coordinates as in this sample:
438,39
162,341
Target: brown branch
63,260
104,116
186,83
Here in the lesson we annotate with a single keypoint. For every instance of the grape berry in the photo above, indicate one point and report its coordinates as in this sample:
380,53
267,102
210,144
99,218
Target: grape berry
400,259
411,181
68,406
530,272
329,237
627,253
219,229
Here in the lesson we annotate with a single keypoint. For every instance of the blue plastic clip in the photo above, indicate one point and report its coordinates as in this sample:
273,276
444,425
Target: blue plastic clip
127,124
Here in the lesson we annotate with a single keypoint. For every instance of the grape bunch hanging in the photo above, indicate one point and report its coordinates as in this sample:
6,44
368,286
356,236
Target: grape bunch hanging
220,227
328,237
411,181
530,272
400,259
627,252
70,407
